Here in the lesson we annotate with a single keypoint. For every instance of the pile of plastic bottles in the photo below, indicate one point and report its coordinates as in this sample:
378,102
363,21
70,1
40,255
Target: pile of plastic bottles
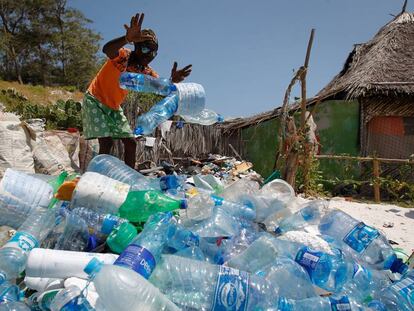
126,241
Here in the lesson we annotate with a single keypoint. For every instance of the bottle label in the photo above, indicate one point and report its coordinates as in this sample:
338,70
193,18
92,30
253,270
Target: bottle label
138,259
405,286
217,200
340,304
360,237
24,241
232,290
308,258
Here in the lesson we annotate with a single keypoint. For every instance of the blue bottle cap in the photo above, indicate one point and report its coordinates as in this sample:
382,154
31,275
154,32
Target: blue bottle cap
398,266
278,231
108,224
220,118
169,182
183,204
93,267
139,130
173,88
92,243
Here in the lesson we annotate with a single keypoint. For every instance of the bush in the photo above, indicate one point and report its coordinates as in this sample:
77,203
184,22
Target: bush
61,115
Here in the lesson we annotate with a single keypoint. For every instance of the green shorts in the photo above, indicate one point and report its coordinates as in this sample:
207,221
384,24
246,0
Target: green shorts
99,120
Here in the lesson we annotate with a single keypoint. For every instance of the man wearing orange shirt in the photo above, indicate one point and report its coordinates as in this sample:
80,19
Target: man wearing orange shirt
102,115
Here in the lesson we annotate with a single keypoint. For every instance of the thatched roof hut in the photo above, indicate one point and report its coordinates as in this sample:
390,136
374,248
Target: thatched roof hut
382,66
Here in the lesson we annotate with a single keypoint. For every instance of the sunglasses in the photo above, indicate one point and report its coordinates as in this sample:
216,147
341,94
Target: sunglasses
148,50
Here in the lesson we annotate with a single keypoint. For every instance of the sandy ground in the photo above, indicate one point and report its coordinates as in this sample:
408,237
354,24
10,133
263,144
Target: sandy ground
400,220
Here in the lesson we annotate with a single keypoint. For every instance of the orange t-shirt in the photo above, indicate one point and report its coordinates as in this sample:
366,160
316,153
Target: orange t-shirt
105,86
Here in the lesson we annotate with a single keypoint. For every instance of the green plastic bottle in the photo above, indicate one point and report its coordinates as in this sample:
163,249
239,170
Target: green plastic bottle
139,205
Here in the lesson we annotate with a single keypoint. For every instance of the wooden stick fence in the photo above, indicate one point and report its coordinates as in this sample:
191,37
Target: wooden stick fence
375,167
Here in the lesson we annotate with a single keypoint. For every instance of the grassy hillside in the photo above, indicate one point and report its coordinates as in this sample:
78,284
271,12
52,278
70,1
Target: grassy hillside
42,95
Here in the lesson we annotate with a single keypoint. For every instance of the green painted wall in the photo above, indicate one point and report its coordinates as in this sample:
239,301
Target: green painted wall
260,145
338,129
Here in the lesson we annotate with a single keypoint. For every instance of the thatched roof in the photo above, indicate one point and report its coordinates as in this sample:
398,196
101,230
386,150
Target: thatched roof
382,66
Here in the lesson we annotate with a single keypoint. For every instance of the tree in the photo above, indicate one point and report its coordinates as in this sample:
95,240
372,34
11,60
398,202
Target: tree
45,42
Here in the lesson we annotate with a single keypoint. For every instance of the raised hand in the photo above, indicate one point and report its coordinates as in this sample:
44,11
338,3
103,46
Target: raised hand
133,32
181,74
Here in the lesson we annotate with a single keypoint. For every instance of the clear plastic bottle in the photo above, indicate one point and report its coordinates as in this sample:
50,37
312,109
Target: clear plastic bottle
399,296
326,271
191,98
204,117
202,286
29,189
114,168
283,271
320,304
14,306
159,113
364,243
145,83
70,299
201,207
143,253
13,211
220,224
13,255
309,214
122,290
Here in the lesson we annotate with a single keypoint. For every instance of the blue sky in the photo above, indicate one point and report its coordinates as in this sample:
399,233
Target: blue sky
244,52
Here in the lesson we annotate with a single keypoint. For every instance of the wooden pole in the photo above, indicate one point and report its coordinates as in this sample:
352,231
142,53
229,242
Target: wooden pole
376,172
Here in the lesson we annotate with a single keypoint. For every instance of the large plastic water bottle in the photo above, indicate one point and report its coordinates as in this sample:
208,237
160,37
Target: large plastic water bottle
309,214
70,299
114,168
201,207
29,189
196,285
399,296
139,205
145,83
14,306
122,290
50,263
159,113
143,253
99,192
13,211
13,255
283,271
364,243
326,271
220,224
204,117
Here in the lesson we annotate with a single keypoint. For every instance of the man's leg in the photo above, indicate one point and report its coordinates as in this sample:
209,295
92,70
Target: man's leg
130,150
105,145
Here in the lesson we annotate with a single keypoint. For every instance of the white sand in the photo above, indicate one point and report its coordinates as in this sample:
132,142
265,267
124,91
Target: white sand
377,215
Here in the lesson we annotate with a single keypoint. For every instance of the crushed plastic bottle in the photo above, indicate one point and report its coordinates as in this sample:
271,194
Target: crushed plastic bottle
121,290
204,117
364,243
145,83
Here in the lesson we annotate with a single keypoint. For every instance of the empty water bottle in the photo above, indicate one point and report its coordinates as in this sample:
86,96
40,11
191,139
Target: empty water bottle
143,253
283,271
319,304
364,243
29,189
13,211
399,296
120,290
326,271
70,299
14,306
145,83
309,214
159,113
204,117
114,168
202,286
13,255
201,207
